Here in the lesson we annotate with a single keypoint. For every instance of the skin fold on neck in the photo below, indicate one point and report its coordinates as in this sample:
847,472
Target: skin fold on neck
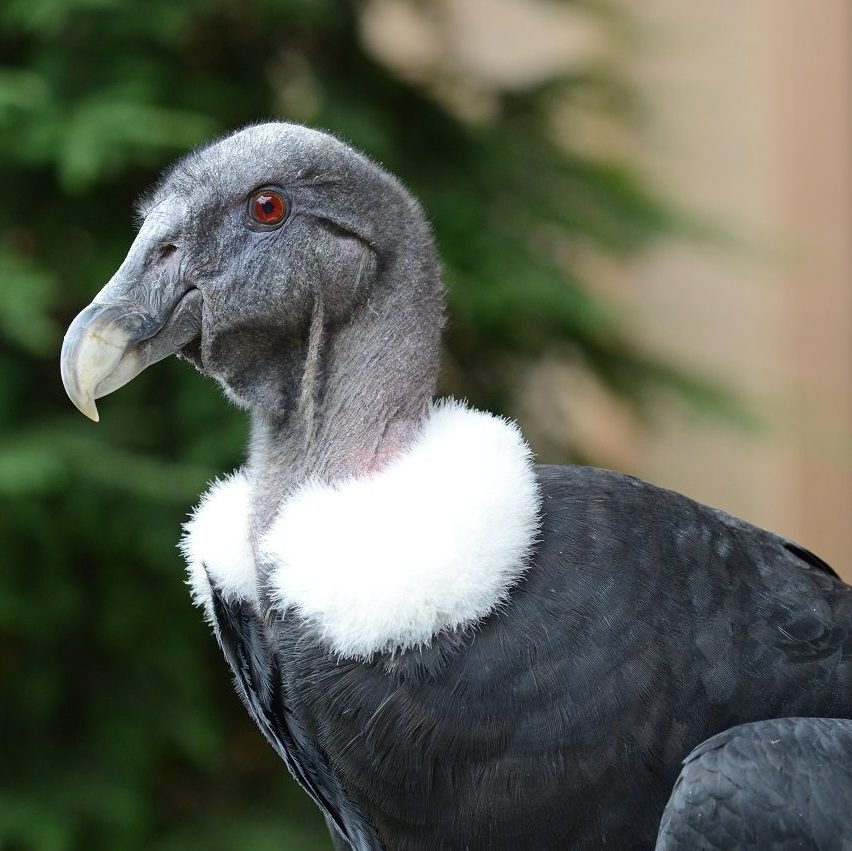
364,391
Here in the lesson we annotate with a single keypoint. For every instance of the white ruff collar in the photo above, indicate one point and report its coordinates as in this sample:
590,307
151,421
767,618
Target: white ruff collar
385,562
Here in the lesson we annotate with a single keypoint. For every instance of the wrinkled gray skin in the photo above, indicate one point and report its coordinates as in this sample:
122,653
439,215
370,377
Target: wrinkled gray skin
322,328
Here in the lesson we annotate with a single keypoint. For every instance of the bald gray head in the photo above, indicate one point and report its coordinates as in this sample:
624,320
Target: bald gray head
287,266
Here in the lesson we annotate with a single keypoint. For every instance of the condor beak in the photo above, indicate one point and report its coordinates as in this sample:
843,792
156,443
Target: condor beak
145,313
108,344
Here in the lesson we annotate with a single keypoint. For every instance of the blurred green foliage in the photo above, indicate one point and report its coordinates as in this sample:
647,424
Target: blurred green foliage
119,726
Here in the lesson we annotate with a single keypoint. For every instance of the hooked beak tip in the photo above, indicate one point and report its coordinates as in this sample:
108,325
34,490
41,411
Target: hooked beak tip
88,408
96,357
76,386
110,343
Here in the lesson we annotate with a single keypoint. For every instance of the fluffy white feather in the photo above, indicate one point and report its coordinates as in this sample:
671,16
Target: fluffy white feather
217,537
432,542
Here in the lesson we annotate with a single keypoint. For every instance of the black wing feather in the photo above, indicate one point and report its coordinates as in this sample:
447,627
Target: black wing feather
780,784
257,676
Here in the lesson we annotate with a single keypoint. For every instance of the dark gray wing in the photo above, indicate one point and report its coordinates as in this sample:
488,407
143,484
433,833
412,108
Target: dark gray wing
779,784
241,635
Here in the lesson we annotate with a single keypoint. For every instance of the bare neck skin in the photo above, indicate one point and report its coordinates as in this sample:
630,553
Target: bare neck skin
364,390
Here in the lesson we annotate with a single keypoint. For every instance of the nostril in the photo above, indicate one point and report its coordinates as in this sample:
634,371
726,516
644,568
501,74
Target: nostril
167,250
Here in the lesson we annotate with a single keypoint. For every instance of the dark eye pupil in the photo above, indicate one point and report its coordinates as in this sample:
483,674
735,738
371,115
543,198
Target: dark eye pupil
268,207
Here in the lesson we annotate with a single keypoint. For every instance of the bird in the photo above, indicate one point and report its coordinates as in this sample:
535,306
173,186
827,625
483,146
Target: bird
449,645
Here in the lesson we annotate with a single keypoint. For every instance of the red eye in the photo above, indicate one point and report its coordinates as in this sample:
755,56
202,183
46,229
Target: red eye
268,207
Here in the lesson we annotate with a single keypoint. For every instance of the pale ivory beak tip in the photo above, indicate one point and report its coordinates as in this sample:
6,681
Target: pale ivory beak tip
91,411
83,402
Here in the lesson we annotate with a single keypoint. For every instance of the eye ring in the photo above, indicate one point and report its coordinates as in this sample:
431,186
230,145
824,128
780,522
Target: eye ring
268,207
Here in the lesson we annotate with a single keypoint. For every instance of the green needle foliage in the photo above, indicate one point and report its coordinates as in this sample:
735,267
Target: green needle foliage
120,729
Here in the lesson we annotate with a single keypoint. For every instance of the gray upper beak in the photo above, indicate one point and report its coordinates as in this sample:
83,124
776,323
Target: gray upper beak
145,313
108,344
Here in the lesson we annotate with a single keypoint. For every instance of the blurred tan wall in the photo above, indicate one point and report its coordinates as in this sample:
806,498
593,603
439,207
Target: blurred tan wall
752,123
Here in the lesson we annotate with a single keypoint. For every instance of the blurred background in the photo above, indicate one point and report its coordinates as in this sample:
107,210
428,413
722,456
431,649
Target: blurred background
645,212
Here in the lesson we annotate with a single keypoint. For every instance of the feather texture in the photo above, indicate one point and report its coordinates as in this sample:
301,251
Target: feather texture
216,542
432,542
644,624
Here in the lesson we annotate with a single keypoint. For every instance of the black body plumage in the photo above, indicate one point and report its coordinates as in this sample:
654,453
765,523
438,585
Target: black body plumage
646,624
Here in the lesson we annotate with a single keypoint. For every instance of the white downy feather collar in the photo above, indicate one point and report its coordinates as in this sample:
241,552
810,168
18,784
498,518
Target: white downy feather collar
386,562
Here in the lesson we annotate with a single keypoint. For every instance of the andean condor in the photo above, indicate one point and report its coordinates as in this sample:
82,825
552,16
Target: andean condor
449,646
